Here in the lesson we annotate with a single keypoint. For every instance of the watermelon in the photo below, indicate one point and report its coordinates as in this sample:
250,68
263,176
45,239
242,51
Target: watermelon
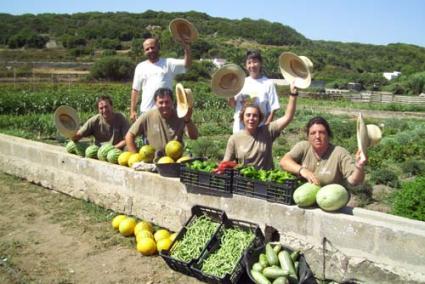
113,155
102,153
91,151
76,148
305,195
71,147
332,197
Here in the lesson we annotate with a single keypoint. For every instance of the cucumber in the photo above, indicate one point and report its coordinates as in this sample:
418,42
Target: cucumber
287,264
263,260
259,278
274,272
295,255
271,255
257,267
296,265
277,248
281,280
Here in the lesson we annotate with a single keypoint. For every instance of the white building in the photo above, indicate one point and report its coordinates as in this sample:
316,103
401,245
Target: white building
391,75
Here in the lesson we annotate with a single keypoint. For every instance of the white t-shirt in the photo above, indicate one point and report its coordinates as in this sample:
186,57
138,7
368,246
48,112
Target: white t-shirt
149,77
262,92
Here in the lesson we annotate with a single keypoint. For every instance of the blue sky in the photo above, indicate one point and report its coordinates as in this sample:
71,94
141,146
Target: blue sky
365,21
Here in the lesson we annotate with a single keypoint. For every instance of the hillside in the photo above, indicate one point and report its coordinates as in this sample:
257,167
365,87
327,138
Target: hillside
86,36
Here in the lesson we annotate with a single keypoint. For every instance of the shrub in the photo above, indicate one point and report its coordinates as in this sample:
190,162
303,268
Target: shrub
413,167
113,68
386,177
409,201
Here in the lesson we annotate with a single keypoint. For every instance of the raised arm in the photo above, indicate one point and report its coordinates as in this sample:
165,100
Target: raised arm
191,129
187,55
358,175
283,121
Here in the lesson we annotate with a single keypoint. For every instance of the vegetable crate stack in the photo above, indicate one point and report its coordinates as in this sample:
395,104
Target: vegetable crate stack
207,176
272,185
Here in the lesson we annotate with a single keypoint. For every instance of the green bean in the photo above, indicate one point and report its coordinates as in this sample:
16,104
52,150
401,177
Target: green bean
233,243
197,235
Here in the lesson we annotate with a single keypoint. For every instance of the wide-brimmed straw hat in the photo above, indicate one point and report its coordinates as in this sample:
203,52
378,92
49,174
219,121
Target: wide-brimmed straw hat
296,69
228,80
184,100
367,135
183,31
67,121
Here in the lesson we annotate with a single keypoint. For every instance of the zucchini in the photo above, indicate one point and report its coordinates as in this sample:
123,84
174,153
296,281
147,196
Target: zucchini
295,255
296,265
259,278
277,248
271,255
274,272
263,260
257,267
286,263
281,280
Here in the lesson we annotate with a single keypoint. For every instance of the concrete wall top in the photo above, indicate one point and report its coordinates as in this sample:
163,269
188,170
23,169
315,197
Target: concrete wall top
362,244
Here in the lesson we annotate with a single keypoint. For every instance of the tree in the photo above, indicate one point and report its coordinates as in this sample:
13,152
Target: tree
113,68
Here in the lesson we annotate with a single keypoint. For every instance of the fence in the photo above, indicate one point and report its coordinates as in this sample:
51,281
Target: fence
369,97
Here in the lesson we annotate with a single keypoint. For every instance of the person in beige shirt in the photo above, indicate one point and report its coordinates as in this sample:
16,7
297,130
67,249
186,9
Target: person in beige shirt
161,124
253,144
106,126
319,161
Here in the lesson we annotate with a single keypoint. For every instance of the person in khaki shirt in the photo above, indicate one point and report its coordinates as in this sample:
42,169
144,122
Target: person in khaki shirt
161,124
253,144
319,161
106,126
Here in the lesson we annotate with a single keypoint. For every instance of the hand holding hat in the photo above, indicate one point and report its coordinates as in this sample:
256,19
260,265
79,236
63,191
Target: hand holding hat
184,100
66,121
228,80
367,135
296,69
183,31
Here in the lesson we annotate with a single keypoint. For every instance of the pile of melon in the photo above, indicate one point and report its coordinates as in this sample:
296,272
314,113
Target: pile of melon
330,197
149,239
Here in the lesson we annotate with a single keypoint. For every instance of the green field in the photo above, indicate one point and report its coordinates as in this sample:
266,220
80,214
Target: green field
27,111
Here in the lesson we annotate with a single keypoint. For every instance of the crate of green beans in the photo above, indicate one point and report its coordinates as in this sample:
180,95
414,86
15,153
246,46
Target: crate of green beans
222,262
193,239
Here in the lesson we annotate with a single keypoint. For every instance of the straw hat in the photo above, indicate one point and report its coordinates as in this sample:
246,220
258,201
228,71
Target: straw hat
296,68
228,80
184,100
183,31
67,121
367,135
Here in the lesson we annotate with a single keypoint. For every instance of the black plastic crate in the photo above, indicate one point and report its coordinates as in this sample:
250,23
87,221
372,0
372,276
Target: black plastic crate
270,191
185,267
221,183
305,275
239,269
282,192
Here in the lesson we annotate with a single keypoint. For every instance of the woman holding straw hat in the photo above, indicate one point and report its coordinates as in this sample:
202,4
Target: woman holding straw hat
257,89
320,162
253,144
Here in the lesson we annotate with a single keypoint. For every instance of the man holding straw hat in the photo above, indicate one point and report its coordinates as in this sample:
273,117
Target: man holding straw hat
157,72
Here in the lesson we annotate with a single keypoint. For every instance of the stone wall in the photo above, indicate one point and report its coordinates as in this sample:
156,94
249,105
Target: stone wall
355,244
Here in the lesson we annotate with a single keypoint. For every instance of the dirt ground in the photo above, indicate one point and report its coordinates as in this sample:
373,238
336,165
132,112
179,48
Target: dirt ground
49,237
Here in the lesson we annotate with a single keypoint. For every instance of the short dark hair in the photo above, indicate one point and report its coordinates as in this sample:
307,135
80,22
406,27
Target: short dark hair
242,112
254,54
318,120
104,98
162,92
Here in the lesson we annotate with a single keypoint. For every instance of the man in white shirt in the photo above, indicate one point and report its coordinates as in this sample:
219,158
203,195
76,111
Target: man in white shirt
154,73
